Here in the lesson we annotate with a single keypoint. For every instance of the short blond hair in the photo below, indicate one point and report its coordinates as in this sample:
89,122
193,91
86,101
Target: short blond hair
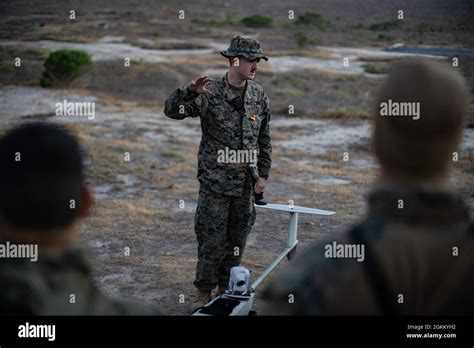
421,147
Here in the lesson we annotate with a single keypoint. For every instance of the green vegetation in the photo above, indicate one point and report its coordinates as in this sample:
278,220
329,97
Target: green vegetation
384,37
345,96
257,21
346,78
377,59
313,19
60,37
376,68
62,66
357,26
48,36
385,25
173,154
428,28
345,113
228,20
294,93
303,39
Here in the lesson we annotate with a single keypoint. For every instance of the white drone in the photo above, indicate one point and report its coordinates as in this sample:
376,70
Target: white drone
238,299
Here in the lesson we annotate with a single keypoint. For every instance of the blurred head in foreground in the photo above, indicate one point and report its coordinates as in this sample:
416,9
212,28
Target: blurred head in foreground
42,196
419,117
42,191
413,252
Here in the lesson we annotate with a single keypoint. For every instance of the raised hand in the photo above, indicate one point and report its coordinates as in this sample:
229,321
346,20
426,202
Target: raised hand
197,85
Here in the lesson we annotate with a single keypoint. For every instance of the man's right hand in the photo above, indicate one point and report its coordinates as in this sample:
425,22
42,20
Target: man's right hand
197,85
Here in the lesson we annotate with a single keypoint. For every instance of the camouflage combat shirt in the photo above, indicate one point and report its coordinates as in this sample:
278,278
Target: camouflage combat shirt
223,125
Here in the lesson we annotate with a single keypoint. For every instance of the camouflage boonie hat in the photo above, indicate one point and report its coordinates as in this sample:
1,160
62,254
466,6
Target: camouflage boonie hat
244,46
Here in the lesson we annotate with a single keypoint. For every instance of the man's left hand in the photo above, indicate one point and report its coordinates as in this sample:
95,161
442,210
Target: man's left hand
260,186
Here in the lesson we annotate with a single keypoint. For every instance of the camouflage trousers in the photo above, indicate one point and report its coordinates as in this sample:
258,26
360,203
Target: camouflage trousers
222,224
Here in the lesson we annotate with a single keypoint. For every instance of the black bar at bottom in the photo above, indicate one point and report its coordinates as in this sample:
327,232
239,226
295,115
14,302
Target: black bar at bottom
135,330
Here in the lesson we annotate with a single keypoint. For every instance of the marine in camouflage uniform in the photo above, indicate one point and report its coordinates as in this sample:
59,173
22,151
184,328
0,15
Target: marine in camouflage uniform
418,236
225,212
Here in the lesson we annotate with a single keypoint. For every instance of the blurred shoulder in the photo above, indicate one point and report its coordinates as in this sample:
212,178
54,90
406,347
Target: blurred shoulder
308,286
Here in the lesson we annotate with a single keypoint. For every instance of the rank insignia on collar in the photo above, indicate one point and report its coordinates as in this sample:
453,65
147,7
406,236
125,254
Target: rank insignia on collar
253,117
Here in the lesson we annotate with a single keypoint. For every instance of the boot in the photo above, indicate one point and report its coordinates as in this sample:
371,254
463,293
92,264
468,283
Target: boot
200,299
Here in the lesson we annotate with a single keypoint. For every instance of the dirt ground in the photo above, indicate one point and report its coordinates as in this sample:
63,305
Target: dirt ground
140,202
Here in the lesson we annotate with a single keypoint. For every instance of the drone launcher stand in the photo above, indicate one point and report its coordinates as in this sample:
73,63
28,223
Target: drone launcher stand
290,249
